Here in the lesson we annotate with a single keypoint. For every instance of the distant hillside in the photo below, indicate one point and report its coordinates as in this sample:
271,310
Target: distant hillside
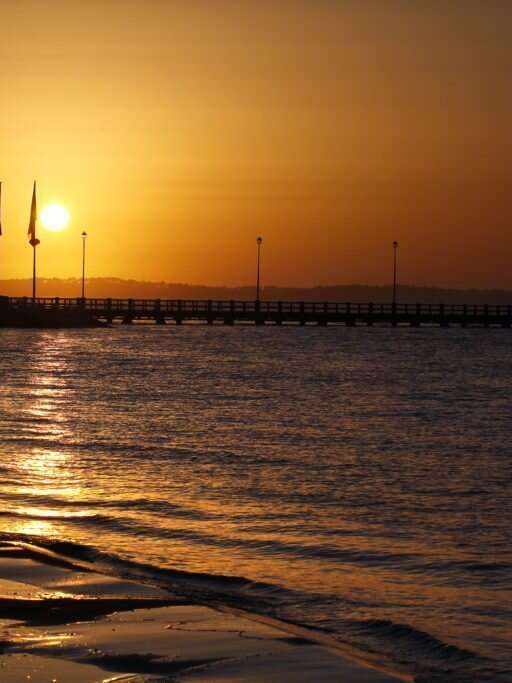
117,288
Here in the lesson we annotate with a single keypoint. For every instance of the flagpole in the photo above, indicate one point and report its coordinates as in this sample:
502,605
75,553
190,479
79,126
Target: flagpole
34,274
33,241
1,209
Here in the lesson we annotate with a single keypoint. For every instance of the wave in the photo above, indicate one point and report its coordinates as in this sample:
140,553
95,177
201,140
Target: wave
403,633
430,659
132,527
443,572
133,504
191,584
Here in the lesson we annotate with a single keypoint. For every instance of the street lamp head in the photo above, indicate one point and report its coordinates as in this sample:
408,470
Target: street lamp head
395,244
84,234
259,240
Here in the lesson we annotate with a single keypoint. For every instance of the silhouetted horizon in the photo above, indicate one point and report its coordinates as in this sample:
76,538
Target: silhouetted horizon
356,292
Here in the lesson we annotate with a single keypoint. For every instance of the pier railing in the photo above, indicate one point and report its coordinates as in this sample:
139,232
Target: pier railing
211,310
171,307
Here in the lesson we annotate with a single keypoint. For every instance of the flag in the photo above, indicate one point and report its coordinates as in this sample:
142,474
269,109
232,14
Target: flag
33,241
0,208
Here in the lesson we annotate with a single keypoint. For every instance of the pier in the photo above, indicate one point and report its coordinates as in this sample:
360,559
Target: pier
178,311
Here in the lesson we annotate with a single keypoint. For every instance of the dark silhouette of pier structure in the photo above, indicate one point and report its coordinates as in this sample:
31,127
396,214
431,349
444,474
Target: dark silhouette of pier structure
178,311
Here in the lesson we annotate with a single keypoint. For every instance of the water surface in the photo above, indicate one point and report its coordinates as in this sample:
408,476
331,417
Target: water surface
358,480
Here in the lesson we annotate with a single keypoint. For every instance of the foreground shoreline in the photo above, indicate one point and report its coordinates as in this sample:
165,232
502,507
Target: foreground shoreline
61,622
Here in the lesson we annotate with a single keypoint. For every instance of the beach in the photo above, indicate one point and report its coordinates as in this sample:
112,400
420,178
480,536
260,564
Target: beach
59,622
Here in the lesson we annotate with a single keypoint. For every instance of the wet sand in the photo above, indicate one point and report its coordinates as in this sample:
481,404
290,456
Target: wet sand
60,623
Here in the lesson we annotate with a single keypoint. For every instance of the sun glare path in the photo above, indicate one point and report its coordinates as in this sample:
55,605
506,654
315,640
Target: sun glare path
55,217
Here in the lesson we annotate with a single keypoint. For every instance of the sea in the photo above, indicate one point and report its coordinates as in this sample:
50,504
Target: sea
354,481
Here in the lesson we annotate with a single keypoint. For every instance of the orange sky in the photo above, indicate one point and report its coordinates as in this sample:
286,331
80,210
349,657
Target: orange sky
176,132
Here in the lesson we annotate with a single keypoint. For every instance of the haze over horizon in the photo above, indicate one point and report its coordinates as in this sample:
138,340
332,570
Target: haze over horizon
355,292
175,136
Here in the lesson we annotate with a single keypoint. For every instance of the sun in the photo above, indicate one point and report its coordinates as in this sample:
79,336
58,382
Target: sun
55,217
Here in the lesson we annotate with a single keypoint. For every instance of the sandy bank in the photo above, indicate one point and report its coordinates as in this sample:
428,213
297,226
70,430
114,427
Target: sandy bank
59,623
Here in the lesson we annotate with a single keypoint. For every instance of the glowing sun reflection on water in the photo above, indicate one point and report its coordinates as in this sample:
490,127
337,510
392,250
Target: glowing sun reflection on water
47,468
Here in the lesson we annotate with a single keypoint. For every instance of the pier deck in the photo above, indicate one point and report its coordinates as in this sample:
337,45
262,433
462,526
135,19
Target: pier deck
178,311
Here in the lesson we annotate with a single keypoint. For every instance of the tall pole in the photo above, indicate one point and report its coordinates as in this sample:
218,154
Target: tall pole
0,208
33,241
34,280
395,264
84,237
258,242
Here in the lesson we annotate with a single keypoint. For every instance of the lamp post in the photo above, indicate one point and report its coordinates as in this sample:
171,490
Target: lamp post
84,237
258,242
395,264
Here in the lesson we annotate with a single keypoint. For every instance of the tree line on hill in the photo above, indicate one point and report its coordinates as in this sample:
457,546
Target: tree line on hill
117,288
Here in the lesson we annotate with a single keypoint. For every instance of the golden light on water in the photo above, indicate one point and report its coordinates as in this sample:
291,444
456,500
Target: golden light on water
55,217
46,467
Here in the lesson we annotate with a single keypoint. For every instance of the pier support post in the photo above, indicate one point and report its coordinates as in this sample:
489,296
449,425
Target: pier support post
486,315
